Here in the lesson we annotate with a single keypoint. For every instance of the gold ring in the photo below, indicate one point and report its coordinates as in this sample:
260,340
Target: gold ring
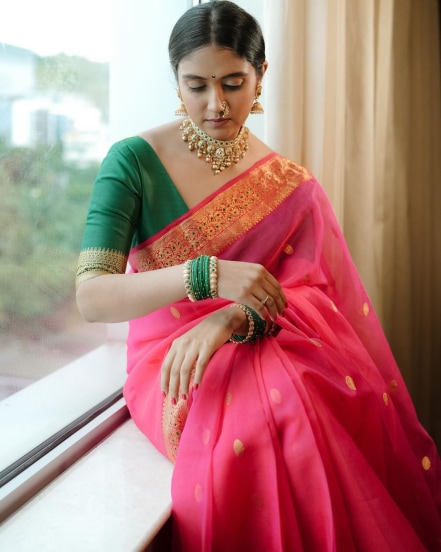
225,109
265,300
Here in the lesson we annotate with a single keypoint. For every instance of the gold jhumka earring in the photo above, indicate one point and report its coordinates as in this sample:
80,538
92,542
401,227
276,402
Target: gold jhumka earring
256,108
180,111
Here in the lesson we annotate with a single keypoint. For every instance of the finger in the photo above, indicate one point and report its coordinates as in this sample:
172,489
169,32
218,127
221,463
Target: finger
262,307
270,306
165,373
279,302
200,366
270,302
170,375
175,374
185,376
276,298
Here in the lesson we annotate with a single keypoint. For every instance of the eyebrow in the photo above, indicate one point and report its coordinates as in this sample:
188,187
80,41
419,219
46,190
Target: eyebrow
197,77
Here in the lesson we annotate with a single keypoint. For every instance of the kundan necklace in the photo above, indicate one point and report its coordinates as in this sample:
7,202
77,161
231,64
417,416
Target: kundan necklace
221,154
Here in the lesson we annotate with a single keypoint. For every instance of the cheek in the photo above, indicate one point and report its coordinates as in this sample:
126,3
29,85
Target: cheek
193,102
244,107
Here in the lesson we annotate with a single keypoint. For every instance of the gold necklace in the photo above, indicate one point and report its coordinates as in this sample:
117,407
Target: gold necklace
217,152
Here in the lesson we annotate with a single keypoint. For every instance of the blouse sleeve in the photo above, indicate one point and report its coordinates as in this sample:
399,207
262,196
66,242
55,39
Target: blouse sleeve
113,214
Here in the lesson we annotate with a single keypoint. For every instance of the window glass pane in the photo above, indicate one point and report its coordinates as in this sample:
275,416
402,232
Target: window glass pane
54,132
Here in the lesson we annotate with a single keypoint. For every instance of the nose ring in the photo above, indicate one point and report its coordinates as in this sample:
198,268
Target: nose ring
225,109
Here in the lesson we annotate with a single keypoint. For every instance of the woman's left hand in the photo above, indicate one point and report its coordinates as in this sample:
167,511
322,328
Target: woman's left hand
193,350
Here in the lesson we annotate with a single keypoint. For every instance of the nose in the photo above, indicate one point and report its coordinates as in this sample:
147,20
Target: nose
215,99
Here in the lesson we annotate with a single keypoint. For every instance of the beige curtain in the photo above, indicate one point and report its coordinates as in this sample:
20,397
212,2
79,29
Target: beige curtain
353,92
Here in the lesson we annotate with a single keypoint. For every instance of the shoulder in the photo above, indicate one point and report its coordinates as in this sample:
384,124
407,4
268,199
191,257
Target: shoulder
155,139
135,153
163,137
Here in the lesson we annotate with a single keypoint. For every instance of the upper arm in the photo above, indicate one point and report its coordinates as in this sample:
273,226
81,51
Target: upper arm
113,215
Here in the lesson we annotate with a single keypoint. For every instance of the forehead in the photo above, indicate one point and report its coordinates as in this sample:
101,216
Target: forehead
212,60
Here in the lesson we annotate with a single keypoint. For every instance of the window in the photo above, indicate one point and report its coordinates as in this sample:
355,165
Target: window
95,72
54,131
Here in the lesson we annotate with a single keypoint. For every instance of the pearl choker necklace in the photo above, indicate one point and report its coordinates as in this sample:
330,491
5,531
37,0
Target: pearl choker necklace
221,154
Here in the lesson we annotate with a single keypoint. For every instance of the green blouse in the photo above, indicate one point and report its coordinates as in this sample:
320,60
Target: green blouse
132,199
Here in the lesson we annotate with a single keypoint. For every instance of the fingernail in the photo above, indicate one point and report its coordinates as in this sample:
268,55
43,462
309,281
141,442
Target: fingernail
184,396
195,386
164,394
173,401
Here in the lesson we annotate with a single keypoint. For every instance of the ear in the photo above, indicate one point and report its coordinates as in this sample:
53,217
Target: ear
264,68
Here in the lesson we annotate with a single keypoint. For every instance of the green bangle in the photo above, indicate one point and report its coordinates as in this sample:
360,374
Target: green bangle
256,325
200,278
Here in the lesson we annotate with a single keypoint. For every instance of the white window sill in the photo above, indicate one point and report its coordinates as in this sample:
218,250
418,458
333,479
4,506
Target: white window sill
39,411
104,488
114,499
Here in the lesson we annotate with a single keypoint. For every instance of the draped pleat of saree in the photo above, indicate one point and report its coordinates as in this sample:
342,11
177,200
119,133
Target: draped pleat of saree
307,441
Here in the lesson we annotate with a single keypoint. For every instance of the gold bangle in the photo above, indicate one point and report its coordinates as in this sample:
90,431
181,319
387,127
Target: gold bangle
213,277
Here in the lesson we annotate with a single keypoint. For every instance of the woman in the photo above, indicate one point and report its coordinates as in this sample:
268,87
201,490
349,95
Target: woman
286,416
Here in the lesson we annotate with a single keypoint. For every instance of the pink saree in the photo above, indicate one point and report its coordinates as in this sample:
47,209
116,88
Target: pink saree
307,441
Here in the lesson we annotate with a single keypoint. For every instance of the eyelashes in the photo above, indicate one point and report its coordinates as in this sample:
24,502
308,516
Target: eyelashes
229,87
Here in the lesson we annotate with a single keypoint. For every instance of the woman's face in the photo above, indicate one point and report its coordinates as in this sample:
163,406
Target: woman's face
211,75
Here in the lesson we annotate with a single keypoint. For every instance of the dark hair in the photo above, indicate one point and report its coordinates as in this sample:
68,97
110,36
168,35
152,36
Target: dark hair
220,23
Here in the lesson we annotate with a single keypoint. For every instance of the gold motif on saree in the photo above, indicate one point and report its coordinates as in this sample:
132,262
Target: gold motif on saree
426,463
225,218
175,312
238,447
350,383
94,262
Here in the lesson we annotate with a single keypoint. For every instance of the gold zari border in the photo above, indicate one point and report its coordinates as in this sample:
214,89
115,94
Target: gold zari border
94,262
226,218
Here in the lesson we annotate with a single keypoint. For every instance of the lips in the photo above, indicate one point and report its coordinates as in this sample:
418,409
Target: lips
217,122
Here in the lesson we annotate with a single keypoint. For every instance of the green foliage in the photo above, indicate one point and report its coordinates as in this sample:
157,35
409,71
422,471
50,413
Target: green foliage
43,208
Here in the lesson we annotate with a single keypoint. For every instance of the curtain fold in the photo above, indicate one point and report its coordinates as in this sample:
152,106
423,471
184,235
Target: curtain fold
354,94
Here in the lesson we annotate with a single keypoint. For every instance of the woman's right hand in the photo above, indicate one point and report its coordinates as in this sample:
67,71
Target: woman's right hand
252,285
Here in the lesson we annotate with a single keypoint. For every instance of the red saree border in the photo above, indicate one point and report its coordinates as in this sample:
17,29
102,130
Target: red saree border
224,217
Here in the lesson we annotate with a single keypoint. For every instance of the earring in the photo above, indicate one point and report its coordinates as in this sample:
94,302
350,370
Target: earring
180,111
256,108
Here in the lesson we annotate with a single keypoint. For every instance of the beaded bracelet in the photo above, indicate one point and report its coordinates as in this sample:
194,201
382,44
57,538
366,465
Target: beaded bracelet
213,277
200,278
256,325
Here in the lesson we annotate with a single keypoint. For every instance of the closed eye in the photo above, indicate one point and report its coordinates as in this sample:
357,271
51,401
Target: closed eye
229,87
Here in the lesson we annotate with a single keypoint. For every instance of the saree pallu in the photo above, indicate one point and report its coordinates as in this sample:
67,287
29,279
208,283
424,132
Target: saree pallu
307,441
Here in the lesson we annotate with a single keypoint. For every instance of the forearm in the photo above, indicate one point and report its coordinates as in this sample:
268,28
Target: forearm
122,297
